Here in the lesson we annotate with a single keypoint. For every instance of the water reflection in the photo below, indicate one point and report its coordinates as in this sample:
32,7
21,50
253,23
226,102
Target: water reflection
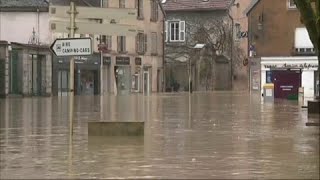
209,135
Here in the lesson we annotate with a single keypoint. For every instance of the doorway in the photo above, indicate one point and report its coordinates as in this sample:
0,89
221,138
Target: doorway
146,82
123,79
286,84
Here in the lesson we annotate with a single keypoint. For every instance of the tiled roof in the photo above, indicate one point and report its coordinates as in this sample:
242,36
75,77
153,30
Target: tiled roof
91,3
23,3
195,5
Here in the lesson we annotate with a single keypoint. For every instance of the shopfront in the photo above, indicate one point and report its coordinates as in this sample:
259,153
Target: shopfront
288,74
86,75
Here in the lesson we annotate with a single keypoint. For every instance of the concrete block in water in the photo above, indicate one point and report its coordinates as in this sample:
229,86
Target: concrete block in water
115,128
314,107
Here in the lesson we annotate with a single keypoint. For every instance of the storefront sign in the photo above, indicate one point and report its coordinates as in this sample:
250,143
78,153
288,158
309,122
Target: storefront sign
138,61
122,60
285,65
106,61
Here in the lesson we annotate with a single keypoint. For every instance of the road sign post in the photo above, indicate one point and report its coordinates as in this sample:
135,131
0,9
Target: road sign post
72,13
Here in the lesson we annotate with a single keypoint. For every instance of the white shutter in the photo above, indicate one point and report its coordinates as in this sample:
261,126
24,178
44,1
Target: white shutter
182,30
166,31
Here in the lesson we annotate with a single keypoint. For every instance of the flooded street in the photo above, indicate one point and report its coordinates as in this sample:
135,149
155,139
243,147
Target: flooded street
221,135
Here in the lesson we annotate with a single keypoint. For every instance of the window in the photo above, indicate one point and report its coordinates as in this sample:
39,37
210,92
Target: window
107,40
154,11
269,77
105,3
141,43
122,3
291,4
121,44
154,43
139,6
177,31
237,31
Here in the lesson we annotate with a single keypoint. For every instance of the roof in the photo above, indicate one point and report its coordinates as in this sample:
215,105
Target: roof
251,6
23,5
196,5
91,3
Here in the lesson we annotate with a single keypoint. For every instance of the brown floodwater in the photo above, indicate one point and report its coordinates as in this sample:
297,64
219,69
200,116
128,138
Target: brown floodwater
206,135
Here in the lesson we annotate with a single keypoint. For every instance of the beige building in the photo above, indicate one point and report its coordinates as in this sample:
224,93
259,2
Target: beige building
131,63
241,68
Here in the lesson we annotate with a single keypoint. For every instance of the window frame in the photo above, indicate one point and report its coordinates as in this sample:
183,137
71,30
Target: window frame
139,7
290,5
154,11
181,31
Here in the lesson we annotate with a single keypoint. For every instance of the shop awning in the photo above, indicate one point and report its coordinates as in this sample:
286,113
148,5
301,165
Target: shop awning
302,39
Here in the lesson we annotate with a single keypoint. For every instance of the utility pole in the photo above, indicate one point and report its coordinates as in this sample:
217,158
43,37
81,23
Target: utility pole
72,29
101,59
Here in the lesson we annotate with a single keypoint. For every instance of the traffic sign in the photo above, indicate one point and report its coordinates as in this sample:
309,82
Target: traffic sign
94,28
72,47
95,13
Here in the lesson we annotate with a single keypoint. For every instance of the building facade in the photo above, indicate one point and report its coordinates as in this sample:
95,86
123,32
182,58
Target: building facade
131,64
25,32
240,23
281,42
189,23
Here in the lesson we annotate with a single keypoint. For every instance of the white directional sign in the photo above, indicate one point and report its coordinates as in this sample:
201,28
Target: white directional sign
72,47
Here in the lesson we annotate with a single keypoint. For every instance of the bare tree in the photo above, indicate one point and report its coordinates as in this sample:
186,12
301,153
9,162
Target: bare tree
217,37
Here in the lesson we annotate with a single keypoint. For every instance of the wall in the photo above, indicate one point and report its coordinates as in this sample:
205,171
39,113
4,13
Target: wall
279,23
241,72
18,26
192,19
147,60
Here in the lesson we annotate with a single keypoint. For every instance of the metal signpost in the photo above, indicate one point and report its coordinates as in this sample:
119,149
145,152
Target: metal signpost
85,25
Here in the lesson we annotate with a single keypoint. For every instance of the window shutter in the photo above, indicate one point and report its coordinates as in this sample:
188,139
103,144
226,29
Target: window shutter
124,44
182,31
145,43
119,43
166,31
137,43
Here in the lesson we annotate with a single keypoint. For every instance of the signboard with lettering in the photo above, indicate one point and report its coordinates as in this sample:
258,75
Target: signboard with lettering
122,61
72,47
138,61
291,66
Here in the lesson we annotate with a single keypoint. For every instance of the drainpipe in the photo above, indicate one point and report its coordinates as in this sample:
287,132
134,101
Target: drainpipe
231,62
163,55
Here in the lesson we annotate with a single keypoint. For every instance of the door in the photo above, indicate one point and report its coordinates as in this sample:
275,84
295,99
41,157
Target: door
146,82
14,86
63,81
2,76
123,79
286,84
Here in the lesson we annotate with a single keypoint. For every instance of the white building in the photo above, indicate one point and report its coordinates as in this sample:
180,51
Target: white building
24,31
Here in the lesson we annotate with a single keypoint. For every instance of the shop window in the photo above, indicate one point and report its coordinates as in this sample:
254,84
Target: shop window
105,3
269,77
122,3
135,82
